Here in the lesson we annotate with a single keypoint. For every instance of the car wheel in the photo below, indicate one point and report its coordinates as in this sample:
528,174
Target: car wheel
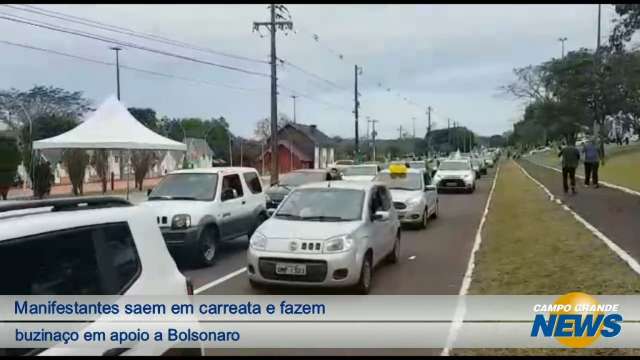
206,248
366,274
394,255
255,285
425,219
435,213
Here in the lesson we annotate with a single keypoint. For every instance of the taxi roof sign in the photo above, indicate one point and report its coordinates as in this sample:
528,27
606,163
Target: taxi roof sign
398,169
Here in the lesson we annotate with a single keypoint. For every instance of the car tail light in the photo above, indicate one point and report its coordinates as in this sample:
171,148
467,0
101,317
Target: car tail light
189,287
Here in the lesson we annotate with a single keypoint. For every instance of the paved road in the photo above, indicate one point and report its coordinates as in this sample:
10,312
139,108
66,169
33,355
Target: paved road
613,212
439,255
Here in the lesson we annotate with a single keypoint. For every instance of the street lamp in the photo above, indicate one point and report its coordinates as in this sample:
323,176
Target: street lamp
117,49
562,40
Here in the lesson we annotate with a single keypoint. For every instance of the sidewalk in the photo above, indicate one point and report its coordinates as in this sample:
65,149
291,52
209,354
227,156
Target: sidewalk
613,212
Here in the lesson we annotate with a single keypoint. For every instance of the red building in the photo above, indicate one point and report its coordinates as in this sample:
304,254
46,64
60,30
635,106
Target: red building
299,147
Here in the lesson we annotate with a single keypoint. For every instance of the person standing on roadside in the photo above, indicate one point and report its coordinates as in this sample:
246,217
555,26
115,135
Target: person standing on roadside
570,159
591,162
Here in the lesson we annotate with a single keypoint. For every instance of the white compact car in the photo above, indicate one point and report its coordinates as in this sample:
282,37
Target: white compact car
364,172
329,234
200,208
86,246
414,198
455,174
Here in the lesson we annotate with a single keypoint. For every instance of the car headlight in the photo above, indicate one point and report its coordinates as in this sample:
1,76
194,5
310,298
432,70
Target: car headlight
338,244
258,241
413,202
181,221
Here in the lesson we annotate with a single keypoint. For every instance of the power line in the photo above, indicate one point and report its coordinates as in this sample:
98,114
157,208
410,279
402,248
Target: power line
126,31
80,33
309,73
151,72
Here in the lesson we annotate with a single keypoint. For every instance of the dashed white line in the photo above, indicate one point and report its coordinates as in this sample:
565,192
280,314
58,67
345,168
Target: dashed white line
219,281
466,282
633,263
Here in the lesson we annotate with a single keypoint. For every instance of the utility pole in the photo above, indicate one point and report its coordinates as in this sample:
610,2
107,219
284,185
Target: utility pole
272,26
428,131
373,137
562,40
599,16
241,154
117,49
400,132
357,71
294,107
413,124
449,131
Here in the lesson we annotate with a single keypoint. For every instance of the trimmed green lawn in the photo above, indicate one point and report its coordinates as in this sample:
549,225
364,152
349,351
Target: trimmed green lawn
531,246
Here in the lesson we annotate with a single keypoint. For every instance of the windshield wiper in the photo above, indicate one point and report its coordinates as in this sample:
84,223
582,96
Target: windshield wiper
167,197
323,218
288,216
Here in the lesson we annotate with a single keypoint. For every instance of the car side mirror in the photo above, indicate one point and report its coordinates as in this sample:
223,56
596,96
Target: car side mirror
430,188
271,211
229,194
381,216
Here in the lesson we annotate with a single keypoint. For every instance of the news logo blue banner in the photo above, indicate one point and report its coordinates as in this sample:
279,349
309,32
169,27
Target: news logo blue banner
574,320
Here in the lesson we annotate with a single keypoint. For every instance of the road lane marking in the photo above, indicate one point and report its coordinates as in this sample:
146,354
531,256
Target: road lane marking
610,185
466,281
219,281
633,263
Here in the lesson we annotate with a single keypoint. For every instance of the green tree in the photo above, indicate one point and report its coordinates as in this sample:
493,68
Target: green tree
20,110
9,161
100,162
142,161
76,161
627,23
147,117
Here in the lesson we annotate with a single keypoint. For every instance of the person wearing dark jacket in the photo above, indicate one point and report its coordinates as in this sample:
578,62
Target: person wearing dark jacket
570,160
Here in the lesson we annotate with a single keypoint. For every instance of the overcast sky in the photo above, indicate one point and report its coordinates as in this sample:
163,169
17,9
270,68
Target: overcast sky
452,57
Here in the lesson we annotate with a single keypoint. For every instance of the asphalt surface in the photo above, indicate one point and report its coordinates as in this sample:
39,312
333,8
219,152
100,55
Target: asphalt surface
433,262
615,213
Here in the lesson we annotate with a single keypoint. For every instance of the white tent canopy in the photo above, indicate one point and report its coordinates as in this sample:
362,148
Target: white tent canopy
110,127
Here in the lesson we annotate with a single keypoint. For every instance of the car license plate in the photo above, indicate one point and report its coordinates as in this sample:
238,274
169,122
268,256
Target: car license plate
452,184
291,269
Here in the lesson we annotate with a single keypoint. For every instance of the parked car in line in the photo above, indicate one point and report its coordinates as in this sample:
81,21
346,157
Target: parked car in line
414,198
365,172
289,181
86,246
199,209
455,174
329,234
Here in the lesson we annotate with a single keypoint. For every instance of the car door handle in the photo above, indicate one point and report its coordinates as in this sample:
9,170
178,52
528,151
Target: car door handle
226,215
114,351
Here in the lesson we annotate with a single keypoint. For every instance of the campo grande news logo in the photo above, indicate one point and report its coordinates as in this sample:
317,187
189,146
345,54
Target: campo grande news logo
576,320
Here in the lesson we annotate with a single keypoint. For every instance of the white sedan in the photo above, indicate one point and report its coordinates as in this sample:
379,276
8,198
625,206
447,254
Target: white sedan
455,174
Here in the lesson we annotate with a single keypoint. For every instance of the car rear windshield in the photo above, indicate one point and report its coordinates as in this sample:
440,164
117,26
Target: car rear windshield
454,165
188,186
417,165
360,171
328,204
408,181
301,178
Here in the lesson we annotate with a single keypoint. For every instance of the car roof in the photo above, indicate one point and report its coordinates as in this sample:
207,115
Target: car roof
364,165
309,171
21,223
355,185
409,170
214,170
